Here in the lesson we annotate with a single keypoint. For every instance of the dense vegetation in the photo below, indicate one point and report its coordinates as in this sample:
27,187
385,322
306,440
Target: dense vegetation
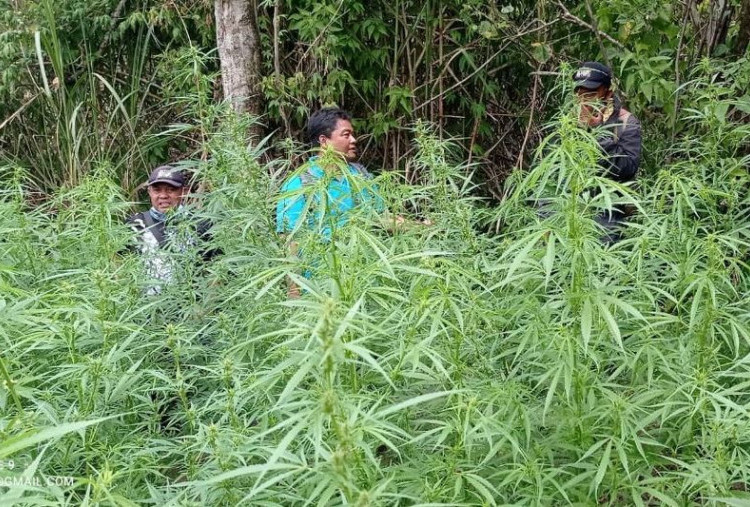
495,357
90,81
442,364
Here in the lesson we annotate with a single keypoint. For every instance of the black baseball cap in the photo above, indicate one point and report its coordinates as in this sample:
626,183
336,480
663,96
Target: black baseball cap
592,75
167,174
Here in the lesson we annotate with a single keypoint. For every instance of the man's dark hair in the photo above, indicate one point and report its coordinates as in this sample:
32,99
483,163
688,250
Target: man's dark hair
323,122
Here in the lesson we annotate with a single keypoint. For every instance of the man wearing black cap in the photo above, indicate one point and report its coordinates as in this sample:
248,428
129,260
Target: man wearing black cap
601,108
156,229
620,133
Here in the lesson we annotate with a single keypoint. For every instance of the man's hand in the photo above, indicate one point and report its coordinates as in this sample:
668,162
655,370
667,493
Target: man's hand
393,223
293,291
589,116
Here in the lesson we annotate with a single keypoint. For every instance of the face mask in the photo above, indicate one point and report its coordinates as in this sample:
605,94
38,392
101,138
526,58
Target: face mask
609,108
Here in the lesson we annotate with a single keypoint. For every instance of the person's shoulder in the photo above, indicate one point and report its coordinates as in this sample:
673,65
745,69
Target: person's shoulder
628,118
136,219
306,173
204,226
292,183
359,169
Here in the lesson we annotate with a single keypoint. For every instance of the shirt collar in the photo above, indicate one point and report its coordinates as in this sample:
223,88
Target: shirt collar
614,115
162,217
157,215
315,169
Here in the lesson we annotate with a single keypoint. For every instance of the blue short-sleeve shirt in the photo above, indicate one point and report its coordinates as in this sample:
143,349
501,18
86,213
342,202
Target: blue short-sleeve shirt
330,206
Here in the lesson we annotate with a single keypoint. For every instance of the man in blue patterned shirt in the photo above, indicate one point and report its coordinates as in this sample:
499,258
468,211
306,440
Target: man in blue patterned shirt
326,192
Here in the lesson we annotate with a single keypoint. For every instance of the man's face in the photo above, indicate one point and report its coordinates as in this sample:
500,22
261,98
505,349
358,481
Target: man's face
592,104
342,140
164,196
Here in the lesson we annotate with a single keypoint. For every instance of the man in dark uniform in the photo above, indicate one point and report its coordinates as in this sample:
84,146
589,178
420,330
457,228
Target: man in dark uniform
160,233
620,138
169,240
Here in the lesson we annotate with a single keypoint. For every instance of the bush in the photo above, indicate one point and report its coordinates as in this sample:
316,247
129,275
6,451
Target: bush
433,365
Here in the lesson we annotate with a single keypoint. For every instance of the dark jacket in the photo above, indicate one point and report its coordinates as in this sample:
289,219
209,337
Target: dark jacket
154,238
621,144
152,233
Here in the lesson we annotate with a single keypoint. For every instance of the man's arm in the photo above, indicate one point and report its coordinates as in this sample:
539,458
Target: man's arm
370,194
622,153
290,207
136,224
293,291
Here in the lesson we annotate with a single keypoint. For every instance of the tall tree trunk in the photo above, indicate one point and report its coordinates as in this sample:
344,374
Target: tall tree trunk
743,37
239,53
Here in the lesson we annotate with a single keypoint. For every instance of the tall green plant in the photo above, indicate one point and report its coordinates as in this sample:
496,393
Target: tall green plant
421,365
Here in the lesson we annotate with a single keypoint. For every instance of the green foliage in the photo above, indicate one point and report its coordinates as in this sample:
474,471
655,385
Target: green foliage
464,66
425,365
80,89
532,365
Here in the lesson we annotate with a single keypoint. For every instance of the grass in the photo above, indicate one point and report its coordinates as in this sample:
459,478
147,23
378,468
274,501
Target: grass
430,366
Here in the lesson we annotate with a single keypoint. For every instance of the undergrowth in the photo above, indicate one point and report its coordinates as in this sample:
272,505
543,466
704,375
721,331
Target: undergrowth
498,356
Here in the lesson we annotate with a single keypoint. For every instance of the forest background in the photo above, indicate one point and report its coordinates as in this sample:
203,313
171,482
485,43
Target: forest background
86,82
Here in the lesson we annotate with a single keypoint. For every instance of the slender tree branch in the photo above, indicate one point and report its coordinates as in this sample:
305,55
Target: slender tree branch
18,111
546,73
743,35
276,29
277,62
598,33
115,17
519,162
575,19
685,16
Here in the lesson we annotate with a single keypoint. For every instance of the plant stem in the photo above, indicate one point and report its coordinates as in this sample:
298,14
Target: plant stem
9,385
